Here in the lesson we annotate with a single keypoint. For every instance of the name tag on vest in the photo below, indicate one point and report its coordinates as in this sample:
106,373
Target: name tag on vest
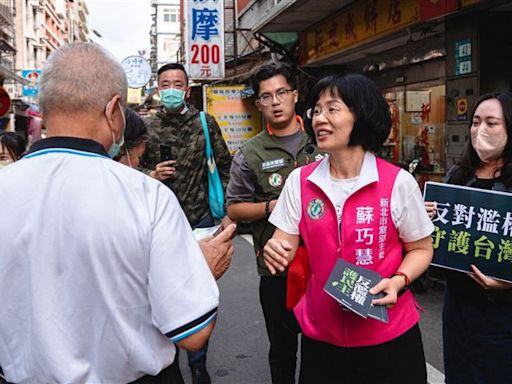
272,164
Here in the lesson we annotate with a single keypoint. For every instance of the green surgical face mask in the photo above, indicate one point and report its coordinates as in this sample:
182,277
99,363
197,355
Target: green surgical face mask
116,147
172,98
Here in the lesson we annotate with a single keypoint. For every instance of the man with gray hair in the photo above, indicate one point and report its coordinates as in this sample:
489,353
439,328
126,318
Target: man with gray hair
100,272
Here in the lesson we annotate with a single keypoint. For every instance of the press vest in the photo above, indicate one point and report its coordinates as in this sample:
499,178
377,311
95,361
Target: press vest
271,164
368,238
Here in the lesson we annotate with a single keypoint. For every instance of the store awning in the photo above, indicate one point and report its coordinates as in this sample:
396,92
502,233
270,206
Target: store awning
8,74
297,15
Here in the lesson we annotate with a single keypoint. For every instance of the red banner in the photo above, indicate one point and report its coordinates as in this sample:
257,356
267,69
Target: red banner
430,9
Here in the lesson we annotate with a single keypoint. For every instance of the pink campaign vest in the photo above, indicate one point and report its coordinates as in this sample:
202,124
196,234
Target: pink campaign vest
369,239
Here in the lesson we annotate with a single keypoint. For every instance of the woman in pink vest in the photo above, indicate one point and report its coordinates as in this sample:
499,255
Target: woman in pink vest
355,206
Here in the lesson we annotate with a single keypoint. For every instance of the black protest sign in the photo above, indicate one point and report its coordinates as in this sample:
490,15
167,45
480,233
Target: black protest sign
472,226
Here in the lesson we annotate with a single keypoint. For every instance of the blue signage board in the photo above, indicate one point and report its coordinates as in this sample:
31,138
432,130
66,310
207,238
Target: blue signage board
32,75
472,226
463,57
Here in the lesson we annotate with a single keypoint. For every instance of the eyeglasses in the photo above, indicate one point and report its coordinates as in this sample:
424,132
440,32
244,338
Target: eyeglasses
281,95
329,111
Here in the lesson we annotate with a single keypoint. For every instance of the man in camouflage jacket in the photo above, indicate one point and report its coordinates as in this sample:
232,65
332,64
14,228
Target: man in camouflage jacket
178,126
186,174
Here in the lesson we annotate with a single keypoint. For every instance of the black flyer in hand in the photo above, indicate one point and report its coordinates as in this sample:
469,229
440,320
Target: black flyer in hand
349,284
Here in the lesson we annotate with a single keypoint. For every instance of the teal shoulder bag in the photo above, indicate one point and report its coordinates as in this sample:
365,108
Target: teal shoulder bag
215,190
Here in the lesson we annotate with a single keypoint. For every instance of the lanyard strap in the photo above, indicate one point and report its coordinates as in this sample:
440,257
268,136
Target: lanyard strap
206,135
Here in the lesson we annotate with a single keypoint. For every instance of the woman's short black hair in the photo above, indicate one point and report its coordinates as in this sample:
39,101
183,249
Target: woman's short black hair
372,119
135,131
267,71
14,143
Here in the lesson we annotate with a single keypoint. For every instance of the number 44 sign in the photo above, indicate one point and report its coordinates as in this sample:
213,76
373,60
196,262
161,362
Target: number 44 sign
204,42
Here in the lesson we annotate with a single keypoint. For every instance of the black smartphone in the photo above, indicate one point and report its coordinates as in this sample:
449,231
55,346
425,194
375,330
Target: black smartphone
165,152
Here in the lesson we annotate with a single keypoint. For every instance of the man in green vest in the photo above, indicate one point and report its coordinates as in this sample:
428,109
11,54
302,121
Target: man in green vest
258,172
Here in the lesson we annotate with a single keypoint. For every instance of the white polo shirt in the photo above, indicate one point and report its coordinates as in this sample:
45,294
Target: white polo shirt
407,206
98,269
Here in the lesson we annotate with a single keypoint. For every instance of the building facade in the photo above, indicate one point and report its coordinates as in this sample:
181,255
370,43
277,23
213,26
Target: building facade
7,42
165,33
41,27
431,60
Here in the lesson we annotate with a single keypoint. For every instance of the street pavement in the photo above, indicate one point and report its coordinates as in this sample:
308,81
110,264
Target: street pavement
239,346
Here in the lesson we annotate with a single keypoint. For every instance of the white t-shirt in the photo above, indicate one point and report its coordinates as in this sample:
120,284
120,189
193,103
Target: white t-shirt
341,189
98,264
407,206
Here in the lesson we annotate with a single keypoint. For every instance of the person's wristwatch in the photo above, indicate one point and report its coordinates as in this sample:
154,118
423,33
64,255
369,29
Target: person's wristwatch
267,208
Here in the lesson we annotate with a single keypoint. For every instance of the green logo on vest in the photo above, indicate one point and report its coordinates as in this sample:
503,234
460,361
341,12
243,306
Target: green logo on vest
316,209
275,179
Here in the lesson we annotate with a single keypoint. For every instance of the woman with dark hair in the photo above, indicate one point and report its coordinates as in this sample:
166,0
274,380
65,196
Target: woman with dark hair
357,207
135,136
12,147
477,315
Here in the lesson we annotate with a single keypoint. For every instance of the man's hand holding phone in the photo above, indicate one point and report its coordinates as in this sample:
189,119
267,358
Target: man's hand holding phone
167,166
164,170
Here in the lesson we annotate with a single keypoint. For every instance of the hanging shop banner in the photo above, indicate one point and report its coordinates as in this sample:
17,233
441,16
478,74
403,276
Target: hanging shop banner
430,9
466,3
204,43
233,108
359,23
32,75
472,226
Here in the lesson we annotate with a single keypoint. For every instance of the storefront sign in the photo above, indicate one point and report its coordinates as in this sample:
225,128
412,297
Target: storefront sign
138,71
462,109
357,24
465,3
463,57
233,108
204,42
430,9
32,75
134,96
472,226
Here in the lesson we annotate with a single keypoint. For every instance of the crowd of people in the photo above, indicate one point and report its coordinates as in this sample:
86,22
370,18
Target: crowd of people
103,280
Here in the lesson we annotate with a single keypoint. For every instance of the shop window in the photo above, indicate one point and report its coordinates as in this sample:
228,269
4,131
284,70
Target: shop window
167,15
418,129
